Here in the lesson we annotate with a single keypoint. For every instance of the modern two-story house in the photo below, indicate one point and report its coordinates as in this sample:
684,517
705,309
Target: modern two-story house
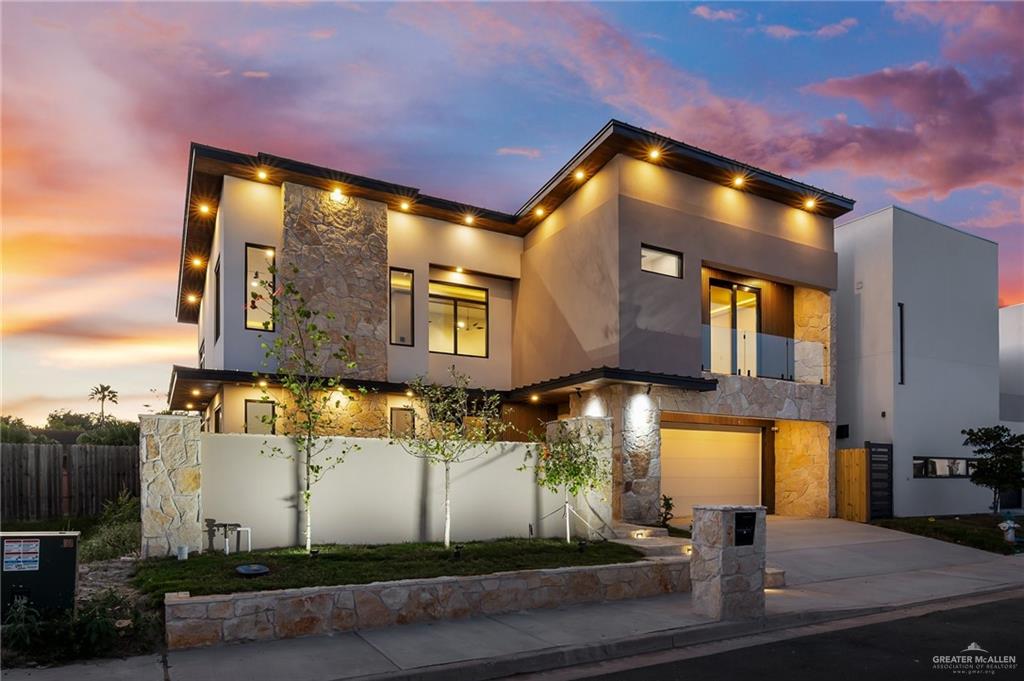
683,295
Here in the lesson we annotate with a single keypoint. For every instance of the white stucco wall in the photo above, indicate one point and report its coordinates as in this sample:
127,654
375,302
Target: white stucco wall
947,282
379,494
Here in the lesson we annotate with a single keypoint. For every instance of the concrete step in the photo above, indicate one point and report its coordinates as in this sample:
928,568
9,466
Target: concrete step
774,578
631,531
658,546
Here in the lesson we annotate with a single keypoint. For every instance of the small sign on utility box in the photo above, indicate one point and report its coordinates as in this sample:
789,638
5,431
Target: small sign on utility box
40,567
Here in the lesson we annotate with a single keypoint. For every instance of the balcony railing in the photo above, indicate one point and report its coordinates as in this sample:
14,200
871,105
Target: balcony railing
746,353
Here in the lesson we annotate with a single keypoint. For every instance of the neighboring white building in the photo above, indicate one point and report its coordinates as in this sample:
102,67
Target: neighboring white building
918,352
1011,366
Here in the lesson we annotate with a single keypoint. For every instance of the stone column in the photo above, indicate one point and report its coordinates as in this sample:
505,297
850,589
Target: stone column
171,482
595,506
727,581
641,458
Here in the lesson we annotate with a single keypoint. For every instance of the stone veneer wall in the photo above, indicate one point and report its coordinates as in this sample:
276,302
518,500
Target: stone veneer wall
804,461
341,250
193,621
171,484
812,331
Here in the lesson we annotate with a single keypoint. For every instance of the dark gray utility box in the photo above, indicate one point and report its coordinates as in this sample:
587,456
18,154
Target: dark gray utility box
41,567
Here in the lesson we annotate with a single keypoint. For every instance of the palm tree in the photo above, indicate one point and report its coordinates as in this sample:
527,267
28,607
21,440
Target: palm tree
103,393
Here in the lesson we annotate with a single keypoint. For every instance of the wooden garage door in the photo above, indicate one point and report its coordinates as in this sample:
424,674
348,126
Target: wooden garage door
710,465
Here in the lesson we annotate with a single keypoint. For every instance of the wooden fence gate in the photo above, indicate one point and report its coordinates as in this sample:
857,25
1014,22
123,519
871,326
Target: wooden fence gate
864,482
50,481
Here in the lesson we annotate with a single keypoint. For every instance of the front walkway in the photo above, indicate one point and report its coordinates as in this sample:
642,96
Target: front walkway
832,565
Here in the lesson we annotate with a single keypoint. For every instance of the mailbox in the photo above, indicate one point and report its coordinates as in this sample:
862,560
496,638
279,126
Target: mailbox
744,532
42,568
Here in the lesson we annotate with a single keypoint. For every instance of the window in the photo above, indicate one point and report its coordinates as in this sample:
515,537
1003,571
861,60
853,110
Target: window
457,319
403,421
734,314
661,261
259,417
942,467
202,355
259,264
218,419
216,303
401,307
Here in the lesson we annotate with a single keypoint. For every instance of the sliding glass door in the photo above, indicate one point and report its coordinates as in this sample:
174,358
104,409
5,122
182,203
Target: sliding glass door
735,319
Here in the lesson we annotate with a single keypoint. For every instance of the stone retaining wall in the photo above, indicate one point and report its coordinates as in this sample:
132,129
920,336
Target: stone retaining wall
194,621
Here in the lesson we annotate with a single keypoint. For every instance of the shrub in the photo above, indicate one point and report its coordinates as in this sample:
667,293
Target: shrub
22,625
111,432
111,541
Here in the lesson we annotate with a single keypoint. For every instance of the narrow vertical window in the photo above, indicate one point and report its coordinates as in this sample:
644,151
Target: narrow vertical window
401,298
903,374
259,278
218,419
216,302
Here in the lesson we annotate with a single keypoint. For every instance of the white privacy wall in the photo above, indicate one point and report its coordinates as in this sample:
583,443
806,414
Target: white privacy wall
380,494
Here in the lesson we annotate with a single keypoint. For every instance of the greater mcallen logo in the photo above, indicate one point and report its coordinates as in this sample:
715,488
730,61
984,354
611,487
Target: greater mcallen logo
974,660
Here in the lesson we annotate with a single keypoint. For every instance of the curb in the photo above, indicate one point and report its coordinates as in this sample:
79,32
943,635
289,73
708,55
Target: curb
559,657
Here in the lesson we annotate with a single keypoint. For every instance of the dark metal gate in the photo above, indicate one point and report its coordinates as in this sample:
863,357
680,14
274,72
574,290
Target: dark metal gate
879,480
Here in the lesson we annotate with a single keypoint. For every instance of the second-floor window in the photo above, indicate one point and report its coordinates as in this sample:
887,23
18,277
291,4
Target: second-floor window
734,323
457,318
660,261
401,307
259,263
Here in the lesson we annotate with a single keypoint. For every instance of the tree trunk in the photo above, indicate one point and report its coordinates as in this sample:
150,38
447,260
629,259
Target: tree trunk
447,506
306,499
568,534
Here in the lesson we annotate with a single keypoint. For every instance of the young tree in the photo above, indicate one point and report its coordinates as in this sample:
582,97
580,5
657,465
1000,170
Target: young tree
453,424
103,393
568,461
1000,462
308,414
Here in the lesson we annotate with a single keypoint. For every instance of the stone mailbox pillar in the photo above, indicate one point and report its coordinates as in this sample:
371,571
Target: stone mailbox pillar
727,564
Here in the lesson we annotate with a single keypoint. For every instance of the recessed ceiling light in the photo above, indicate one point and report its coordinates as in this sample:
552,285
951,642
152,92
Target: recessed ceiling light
534,398
459,270
654,154
197,262
580,174
468,219
204,208
404,205
192,298
738,181
263,384
195,392
809,204
539,212
338,196
262,174
189,405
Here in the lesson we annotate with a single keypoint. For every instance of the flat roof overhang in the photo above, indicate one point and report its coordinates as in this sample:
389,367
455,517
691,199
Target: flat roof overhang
185,380
208,166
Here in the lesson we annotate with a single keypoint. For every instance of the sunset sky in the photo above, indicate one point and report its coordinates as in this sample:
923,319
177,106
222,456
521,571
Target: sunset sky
914,104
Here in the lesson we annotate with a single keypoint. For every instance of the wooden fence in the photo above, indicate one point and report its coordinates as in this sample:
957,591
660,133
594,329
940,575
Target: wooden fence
50,481
852,484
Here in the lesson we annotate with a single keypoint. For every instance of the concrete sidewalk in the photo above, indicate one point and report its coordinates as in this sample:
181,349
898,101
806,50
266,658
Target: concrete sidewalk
500,645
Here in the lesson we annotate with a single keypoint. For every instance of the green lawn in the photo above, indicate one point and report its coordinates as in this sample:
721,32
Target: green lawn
213,573
977,531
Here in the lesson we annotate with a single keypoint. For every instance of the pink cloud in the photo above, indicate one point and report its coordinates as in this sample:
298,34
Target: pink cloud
322,33
973,30
528,152
1000,213
837,29
783,32
256,74
705,12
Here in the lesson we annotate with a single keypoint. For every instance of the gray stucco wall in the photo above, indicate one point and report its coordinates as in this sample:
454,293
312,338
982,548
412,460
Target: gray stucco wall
1011,365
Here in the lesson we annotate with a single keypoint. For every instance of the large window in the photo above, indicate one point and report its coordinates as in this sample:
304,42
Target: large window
216,302
734,322
942,467
660,261
401,307
457,318
259,417
259,264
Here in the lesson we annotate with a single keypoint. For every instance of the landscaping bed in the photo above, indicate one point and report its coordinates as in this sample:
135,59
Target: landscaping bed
977,531
214,573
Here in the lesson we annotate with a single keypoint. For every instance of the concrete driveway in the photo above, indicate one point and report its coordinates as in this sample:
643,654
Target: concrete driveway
825,549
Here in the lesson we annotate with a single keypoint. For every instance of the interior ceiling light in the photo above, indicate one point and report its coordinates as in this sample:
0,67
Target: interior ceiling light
269,252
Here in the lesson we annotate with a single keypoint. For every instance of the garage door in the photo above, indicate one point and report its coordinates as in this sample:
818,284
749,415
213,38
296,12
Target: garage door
710,465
